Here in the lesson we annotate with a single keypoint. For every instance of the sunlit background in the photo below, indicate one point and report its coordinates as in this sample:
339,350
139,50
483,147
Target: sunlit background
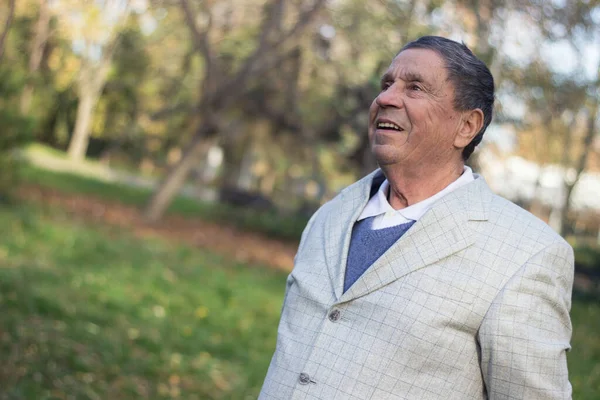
160,158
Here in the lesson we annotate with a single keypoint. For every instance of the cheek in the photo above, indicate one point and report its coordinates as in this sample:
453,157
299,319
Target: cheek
439,119
422,121
372,115
373,111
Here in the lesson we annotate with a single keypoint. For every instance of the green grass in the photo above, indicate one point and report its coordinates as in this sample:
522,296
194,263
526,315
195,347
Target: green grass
96,313
39,148
584,358
74,184
93,313
287,227
90,312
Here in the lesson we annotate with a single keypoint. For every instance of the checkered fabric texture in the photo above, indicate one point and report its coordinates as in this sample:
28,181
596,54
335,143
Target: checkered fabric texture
472,303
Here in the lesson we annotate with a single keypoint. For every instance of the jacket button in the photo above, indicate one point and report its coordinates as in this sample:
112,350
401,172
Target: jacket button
334,315
304,378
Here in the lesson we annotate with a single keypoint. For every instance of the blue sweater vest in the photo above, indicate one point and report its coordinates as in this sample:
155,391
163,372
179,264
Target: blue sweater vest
367,245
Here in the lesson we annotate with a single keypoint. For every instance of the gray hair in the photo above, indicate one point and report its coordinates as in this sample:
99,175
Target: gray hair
473,82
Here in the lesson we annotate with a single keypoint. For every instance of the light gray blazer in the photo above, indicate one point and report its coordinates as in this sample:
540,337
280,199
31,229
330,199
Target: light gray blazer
471,303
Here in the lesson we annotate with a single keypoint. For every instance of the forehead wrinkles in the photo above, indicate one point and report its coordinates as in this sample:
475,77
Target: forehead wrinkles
420,60
434,82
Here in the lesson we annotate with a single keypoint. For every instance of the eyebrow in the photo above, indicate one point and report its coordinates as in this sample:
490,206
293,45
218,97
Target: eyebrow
408,76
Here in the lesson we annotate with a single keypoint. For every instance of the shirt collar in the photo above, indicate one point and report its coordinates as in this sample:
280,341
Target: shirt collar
378,204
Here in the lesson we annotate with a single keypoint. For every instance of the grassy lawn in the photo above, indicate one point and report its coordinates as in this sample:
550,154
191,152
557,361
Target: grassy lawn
269,223
89,312
584,358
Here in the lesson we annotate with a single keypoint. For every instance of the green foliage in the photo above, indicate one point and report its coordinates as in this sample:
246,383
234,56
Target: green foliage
11,140
15,132
121,96
132,61
588,257
584,358
94,313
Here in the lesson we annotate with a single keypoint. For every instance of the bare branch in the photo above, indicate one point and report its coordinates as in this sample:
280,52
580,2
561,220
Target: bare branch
42,33
11,13
224,98
303,20
235,87
271,21
200,39
250,66
228,91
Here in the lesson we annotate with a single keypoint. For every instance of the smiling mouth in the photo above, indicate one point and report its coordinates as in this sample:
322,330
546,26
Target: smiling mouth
389,126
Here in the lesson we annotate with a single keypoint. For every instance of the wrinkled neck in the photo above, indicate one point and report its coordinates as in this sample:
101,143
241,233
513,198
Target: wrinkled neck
410,187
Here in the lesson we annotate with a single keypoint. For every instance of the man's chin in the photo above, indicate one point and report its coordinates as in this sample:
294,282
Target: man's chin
385,155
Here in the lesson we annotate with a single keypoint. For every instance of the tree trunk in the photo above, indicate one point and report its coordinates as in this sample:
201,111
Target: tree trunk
91,80
9,18
42,31
234,151
81,133
581,164
565,220
175,179
90,83
563,224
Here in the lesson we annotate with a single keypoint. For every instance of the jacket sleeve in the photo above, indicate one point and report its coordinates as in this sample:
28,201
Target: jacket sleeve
526,332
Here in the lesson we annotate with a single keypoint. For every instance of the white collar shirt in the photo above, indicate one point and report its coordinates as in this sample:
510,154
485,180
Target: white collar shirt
385,215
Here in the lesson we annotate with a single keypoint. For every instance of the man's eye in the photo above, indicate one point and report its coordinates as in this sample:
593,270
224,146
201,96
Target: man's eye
385,86
415,87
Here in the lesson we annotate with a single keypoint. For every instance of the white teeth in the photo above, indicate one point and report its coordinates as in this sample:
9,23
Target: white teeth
388,125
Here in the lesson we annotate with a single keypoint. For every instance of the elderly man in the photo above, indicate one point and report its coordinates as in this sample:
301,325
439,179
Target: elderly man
417,282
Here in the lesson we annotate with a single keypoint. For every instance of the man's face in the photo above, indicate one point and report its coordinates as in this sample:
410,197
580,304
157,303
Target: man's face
413,121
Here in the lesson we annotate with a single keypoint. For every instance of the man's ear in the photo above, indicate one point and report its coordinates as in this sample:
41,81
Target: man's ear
472,123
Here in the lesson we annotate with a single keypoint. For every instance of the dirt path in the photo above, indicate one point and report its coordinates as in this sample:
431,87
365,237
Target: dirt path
242,246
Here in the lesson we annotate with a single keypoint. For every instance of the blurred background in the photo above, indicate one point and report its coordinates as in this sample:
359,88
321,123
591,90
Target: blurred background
160,158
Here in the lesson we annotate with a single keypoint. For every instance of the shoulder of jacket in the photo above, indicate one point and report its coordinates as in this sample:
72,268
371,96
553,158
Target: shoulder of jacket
503,210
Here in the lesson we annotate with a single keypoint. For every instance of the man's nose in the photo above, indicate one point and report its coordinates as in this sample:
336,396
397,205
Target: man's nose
391,97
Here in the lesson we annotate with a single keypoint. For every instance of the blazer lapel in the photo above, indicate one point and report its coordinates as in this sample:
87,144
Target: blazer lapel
442,231
339,226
